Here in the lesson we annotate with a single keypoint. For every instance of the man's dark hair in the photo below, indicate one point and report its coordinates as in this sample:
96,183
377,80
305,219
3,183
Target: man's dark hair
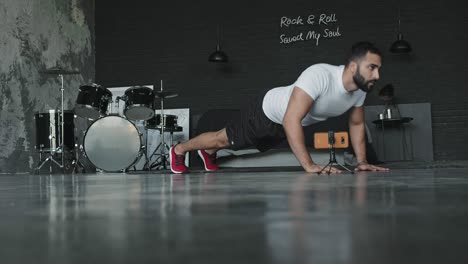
360,49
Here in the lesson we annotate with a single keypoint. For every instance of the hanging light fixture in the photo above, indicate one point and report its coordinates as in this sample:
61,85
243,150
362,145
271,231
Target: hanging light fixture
218,55
400,45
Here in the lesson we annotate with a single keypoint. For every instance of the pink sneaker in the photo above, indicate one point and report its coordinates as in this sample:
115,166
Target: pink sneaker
208,160
177,162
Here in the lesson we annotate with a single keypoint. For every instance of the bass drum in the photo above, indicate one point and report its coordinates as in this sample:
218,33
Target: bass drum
112,143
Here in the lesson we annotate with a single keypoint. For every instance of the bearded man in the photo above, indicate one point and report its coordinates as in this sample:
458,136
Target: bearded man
320,92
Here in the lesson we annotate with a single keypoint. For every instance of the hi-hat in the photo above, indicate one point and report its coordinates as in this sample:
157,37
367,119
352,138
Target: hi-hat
165,94
58,71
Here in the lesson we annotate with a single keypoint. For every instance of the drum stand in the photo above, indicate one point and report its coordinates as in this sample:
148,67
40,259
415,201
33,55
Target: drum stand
161,161
61,147
162,145
77,165
49,158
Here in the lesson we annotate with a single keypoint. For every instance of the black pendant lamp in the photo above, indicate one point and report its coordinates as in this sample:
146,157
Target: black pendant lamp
400,45
218,55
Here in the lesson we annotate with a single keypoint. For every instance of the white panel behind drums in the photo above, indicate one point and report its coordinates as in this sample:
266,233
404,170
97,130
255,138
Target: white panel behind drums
112,143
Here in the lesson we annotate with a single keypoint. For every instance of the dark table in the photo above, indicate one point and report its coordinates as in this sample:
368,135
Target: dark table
394,123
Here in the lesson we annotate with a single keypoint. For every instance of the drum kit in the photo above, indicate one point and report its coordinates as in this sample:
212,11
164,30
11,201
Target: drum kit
111,141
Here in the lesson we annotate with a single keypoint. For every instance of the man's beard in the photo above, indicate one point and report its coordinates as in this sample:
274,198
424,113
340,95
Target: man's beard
362,83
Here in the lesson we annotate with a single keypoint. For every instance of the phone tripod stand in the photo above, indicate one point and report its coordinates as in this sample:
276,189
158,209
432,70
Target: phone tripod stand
331,147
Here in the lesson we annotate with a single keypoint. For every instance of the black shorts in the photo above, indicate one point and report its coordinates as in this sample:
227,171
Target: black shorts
252,128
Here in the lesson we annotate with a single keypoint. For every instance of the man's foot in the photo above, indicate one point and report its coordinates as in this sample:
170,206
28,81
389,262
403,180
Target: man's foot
177,161
208,160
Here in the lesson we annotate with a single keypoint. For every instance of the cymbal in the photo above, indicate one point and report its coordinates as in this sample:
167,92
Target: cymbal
165,94
58,70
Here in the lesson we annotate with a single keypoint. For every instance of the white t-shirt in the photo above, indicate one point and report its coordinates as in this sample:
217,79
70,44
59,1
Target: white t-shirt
324,83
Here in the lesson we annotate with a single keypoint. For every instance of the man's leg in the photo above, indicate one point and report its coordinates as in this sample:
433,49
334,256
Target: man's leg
206,145
209,141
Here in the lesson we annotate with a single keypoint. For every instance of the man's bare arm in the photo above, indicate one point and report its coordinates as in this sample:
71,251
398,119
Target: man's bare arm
358,139
299,105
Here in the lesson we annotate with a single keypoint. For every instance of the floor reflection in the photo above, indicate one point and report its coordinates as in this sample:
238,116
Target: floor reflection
282,217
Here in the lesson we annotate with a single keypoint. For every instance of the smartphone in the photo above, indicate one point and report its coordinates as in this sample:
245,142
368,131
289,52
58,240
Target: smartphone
321,140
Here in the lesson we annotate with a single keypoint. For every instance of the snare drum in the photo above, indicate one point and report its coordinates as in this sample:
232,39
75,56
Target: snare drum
169,121
48,127
139,103
92,101
112,143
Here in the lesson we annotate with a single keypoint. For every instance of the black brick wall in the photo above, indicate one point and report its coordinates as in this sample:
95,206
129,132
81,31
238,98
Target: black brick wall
142,42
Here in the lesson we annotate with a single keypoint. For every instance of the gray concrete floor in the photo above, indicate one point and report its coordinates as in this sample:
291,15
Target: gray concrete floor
403,216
